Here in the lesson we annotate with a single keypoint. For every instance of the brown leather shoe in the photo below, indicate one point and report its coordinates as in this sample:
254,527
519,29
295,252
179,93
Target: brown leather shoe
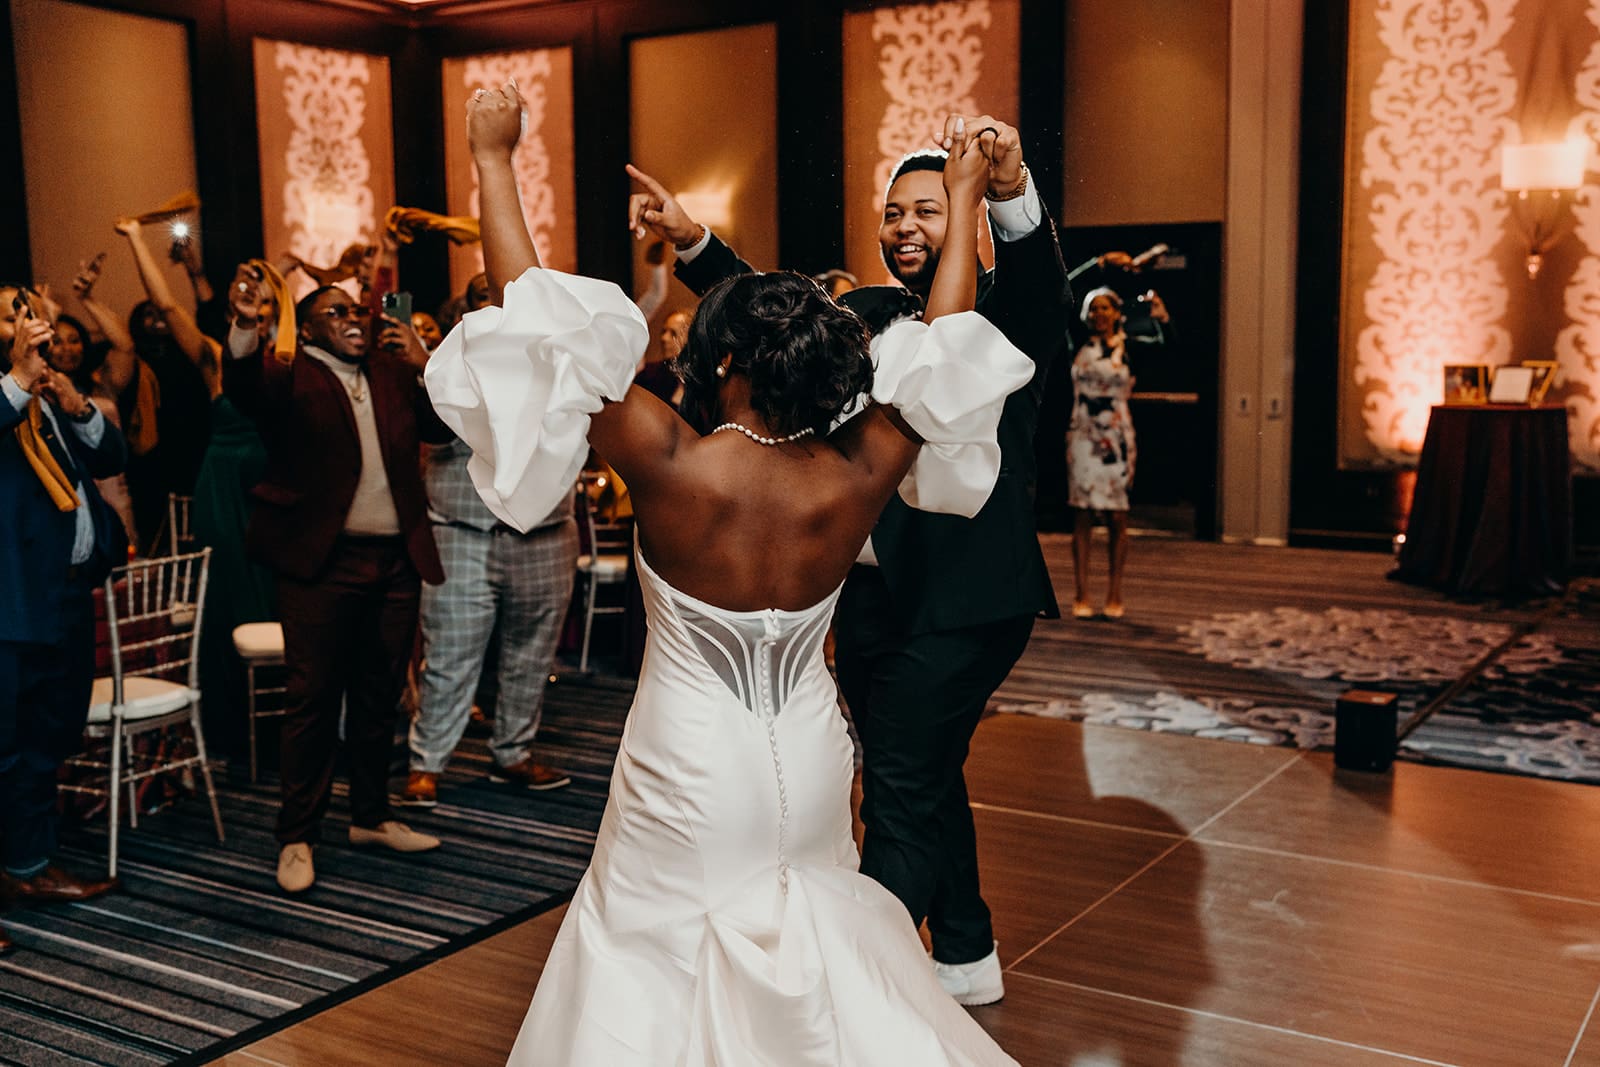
531,775
421,791
52,883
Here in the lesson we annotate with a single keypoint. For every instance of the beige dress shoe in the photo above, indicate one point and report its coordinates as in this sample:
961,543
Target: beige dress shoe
295,872
395,835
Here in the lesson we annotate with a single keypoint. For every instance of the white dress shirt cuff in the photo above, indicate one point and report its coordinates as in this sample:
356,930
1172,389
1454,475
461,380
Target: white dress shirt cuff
1015,219
241,342
686,255
15,393
91,430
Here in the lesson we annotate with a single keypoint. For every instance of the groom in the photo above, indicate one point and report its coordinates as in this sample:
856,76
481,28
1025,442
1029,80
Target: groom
939,607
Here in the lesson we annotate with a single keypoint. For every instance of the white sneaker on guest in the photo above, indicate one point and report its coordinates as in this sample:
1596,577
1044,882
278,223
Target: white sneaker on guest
975,983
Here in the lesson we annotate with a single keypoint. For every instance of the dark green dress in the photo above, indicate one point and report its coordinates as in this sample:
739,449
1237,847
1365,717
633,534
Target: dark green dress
239,591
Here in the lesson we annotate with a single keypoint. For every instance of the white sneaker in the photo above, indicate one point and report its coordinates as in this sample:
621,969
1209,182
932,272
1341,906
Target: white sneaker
975,983
295,870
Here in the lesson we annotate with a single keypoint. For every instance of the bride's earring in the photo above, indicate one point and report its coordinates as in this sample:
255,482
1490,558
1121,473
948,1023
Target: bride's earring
722,372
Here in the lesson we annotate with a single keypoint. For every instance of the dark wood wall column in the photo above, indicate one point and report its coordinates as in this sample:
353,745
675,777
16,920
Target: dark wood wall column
15,259
1041,113
811,147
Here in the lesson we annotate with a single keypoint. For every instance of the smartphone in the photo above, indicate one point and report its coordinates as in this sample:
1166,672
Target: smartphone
397,306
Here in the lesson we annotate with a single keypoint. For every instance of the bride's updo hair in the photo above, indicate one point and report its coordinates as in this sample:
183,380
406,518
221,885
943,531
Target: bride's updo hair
806,357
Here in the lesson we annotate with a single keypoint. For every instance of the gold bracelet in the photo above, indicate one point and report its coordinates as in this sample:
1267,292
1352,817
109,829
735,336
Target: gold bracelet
1022,187
699,235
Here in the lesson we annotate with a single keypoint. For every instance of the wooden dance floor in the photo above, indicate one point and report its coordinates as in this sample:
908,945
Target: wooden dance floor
1168,900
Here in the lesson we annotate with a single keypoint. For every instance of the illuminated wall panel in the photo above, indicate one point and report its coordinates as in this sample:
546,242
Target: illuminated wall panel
1577,346
1434,251
905,69
327,156
543,159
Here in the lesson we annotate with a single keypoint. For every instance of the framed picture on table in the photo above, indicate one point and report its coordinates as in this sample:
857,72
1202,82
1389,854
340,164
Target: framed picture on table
1544,376
1511,385
1466,383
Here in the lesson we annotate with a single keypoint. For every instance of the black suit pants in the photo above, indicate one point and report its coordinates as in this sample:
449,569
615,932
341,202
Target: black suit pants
916,700
44,703
347,638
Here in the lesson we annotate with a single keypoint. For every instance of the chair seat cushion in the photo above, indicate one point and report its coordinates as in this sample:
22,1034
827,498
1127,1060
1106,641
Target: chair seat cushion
146,698
604,567
261,642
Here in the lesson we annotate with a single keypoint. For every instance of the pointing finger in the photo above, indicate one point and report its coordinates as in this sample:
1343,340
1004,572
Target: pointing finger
649,183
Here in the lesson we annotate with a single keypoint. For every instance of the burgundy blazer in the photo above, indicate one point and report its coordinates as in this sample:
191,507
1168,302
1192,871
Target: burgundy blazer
314,457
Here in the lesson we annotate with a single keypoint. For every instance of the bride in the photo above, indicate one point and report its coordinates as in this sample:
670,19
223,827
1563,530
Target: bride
722,919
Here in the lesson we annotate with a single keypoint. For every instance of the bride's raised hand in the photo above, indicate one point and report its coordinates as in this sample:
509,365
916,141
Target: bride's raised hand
494,121
966,169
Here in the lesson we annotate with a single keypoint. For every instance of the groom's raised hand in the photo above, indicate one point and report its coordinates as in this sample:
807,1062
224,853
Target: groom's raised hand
656,211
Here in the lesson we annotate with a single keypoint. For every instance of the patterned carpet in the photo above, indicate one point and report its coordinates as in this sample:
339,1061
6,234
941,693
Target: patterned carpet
200,945
1255,644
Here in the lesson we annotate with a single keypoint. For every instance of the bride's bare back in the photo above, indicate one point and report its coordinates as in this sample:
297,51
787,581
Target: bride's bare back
732,522
747,526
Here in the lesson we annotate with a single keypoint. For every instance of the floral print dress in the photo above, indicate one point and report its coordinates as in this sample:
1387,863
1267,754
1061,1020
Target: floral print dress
1100,444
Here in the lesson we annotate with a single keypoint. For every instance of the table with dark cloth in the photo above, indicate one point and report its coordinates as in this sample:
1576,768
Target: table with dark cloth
1492,512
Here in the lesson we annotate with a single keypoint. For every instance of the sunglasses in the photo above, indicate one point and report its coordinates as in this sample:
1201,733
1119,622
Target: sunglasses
346,311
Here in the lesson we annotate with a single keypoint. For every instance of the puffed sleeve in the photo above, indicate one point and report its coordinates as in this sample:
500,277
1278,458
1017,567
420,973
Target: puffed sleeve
949,380
518,383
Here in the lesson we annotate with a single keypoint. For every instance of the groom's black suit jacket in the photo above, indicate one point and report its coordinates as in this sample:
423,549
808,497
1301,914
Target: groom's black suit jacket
946,572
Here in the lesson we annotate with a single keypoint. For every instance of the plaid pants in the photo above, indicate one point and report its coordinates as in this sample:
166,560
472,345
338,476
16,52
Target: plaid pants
521,583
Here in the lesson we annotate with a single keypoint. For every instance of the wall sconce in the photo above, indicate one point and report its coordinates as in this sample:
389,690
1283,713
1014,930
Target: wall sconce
1542,176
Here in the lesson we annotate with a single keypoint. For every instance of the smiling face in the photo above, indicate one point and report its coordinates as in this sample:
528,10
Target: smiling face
336,324
66,350
1104,316
915,215
427,329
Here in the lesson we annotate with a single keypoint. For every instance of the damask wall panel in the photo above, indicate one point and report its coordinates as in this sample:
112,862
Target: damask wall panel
1434,251
327,156
1577,346
543,161
1431,93
905,69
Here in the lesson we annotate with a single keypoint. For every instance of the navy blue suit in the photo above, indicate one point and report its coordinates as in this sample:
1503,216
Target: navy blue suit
46,626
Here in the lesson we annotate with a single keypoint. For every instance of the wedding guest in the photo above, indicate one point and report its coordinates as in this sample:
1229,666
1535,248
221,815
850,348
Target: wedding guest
1101,448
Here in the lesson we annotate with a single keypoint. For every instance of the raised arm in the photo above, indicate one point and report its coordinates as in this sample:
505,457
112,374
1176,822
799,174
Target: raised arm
703,259
882,442
494,124
185,333
966,176
635,434
117,371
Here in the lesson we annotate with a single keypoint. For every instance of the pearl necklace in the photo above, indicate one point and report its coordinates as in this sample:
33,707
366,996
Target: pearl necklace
758,439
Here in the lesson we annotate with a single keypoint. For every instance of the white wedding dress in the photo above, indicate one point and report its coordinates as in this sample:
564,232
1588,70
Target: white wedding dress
722,920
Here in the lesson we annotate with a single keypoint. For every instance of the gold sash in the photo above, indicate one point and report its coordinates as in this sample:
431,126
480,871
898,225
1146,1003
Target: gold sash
30,435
